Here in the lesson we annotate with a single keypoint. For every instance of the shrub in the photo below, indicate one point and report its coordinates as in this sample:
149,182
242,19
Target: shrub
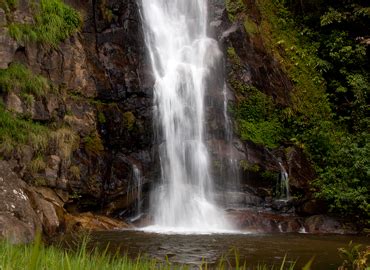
18,78
93,144
15,131
54,22
257,118
64,141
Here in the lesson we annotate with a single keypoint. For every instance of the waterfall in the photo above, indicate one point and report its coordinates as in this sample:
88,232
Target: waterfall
232,172
182,57
282,187
139,183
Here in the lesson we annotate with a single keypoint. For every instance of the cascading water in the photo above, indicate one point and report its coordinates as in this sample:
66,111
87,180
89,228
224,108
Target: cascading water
282,187
182,57
139,183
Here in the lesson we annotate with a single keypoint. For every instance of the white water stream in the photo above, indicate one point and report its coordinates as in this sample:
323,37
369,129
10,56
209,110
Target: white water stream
182,56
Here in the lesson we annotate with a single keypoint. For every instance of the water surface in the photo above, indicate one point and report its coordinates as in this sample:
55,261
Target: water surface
254,248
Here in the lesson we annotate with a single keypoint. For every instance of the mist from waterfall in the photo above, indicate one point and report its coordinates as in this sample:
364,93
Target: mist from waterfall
182,57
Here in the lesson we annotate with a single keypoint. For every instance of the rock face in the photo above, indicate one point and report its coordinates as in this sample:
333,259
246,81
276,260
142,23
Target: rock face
18,220
99,113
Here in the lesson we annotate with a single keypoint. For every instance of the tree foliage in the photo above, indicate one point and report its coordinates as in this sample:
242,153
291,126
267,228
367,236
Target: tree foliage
340,146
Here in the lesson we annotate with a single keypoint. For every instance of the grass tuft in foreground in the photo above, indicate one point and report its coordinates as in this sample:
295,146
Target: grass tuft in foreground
38,256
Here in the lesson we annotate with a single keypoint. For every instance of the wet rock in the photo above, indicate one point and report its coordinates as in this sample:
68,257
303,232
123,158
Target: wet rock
91,222
52,170
282,205
264,192
312,207
253,200
121,203
81,116
254,220
325,224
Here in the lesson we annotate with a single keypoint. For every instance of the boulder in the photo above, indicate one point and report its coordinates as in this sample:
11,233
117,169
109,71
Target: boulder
324,224
18,220
52,170
49,208
252,220
14,230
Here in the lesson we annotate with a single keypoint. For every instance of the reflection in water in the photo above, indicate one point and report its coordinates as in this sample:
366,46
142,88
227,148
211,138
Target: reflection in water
254,249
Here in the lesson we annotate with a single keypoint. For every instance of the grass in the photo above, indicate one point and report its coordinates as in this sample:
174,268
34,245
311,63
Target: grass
81,255
19,78
8,5
38,256
54,21
93,144
37,164
65,142
15,132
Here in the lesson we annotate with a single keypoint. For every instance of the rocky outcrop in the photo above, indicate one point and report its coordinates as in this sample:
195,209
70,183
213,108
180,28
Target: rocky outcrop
90,222
97,114
262,220
18,220
251,63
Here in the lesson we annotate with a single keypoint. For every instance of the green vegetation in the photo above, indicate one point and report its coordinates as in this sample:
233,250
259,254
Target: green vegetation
8,5
38,256
54,21
65,141
337,143
106,12
355,256
256,115
129,120
37,164
321,46
234,8
101,118
93,144
258,121
18,78
15,132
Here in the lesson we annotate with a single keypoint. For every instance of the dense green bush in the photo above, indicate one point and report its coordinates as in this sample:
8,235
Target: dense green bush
344,180
257,119
339,145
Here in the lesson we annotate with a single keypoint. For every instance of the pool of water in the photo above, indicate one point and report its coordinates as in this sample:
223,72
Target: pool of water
252,248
